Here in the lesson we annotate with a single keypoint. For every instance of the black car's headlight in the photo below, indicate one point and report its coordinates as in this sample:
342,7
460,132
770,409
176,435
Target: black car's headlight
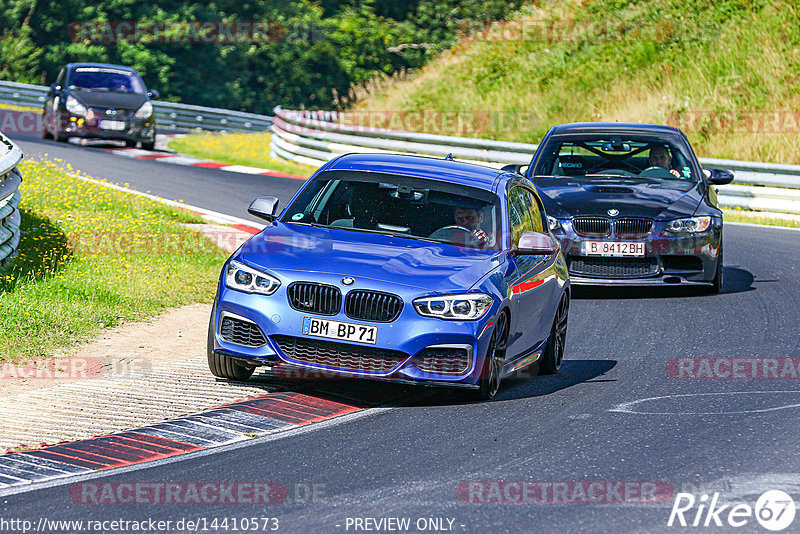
75,107
691,225
145,111
243,278
461,307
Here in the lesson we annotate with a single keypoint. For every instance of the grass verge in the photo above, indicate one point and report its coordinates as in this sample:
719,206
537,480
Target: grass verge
755,217
91,257
251,149
14,107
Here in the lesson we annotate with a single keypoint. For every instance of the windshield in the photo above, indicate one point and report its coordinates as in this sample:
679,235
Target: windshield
625,158
398,205
105,79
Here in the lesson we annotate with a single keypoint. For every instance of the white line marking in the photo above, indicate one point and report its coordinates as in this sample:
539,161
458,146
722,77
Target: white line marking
626,407
207,214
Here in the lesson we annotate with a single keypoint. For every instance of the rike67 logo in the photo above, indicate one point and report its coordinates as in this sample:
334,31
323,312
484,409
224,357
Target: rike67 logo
774,510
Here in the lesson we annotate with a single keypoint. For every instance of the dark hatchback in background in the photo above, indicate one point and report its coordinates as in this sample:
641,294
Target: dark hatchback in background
100,101
630,204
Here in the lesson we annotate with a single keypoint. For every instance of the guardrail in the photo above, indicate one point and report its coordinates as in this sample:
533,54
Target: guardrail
168,114
10,219
315,137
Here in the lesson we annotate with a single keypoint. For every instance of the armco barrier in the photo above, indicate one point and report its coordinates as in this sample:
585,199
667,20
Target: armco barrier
314,137
10,178
168,114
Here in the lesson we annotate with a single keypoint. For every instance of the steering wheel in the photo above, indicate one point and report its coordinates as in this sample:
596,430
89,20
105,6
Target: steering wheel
654,171
452,228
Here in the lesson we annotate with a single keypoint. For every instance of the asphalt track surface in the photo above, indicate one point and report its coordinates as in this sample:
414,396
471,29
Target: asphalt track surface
737,436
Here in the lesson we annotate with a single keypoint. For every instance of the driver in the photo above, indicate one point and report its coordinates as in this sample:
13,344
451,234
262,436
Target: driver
472,219
660,157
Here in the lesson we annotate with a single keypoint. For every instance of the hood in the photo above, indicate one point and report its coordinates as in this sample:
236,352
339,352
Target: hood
420,264
578,196
108,99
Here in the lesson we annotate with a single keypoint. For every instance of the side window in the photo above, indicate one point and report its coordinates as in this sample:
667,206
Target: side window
518,213
536,210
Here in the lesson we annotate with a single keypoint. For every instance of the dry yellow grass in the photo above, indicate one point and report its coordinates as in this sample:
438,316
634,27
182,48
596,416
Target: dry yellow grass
721,60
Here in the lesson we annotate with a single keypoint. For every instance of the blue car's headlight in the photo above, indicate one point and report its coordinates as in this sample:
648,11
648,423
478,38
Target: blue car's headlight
692,225
462,307
243,278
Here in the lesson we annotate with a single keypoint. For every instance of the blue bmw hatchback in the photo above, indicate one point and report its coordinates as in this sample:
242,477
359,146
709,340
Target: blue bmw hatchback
400,268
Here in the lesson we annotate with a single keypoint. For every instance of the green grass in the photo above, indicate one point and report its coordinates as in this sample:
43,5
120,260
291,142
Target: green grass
754,217
251,149
91,257
717,57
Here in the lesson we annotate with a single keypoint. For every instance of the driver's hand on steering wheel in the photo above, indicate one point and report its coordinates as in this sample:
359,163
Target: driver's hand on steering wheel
676,173
481,236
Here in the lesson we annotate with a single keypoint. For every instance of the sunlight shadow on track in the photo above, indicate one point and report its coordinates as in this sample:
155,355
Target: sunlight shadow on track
527,384
736,280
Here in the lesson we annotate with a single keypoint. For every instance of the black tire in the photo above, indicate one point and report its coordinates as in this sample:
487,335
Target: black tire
224,366
61,137
717,281
148,145
45,133
554,353
491,374
130,144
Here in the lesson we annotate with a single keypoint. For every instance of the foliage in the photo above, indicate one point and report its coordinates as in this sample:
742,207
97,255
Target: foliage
315,57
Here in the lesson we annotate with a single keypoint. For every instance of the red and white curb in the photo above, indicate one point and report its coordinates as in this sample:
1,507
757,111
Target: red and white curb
231,423
178,159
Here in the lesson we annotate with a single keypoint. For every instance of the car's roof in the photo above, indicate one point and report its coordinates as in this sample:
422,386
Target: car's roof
615,128
71,66
419,167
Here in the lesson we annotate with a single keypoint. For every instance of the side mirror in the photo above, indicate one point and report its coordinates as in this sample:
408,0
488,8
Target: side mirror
264,208
55,87
535,244
517,169
152,93
720,177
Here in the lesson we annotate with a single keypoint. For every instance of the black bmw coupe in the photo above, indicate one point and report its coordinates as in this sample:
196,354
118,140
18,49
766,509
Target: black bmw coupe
630,204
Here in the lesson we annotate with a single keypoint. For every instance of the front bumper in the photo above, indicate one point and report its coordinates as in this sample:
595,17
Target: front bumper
133,130
668,260
401,341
